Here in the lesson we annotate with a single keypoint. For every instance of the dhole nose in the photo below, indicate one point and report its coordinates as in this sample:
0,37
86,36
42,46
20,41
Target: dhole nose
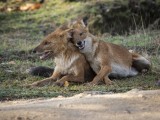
79,43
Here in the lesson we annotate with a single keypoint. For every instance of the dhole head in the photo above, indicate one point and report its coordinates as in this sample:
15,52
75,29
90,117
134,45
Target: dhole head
79,38
79,34
53,44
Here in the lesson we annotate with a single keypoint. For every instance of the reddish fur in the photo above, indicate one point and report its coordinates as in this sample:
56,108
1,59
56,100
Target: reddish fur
70,63
102,54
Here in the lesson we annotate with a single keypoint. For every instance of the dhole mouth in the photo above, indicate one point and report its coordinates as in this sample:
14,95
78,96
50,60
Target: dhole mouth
44,55
81,46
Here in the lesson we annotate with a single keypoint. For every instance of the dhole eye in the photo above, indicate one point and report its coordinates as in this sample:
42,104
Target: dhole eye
61,36
46,43
81,34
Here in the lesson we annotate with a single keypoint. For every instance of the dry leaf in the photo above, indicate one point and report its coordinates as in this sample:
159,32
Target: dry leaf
66,84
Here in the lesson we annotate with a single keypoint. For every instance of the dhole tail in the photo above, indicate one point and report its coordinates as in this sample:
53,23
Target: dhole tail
140,63
41,71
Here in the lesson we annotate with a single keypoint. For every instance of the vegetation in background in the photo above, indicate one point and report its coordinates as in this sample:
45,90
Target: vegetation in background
22,31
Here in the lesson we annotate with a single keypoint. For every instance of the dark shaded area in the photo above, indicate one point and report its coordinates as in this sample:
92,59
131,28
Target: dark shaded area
115,17
3,0
122,17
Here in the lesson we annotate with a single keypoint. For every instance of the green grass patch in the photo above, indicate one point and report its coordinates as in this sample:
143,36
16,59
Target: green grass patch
22,31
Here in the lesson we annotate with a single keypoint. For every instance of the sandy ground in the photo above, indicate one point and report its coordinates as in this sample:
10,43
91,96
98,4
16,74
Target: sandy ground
133,105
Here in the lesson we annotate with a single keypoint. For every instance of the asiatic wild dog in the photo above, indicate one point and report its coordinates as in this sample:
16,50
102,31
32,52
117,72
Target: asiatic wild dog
71,65
106,59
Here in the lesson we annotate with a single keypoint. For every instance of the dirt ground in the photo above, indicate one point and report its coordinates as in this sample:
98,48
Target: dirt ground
133,105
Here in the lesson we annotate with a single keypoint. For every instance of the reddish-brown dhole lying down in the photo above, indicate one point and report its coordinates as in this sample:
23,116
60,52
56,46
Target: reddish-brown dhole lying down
106,59
71,65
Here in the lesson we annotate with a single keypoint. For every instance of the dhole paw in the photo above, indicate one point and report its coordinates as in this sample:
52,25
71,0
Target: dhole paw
109,83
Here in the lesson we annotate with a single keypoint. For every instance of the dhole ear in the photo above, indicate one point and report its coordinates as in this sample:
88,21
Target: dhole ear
84,21
70,35
80,23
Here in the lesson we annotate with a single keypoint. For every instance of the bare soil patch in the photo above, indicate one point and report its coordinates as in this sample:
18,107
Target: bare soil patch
132,105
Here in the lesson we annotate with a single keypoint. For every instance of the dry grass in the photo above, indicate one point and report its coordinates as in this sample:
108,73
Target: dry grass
22,31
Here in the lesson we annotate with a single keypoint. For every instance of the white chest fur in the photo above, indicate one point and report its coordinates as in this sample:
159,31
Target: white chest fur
95,64
89,52
88,46
64,65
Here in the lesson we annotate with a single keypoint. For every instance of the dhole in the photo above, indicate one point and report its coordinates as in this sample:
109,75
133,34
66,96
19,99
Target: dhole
71,65
106,59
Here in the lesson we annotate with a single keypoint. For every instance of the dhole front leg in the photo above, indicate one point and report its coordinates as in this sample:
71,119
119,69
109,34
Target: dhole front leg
70,78
105,70
47,81
107,80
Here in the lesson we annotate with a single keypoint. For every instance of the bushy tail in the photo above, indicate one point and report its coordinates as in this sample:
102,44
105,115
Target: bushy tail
41,71
140,63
